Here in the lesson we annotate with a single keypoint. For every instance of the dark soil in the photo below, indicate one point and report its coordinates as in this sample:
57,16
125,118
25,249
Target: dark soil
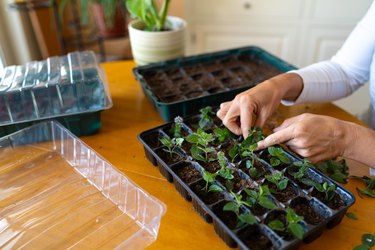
258,210
238,183
303,208
228,217
168,158
152,139
279,215
253,238
336,202
208,198
211,167
284,195
187,172
262,170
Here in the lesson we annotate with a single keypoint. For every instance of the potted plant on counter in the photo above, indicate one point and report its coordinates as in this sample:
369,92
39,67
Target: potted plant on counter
155,36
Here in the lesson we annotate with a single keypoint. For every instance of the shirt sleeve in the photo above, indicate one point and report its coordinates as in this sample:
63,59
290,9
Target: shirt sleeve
348,70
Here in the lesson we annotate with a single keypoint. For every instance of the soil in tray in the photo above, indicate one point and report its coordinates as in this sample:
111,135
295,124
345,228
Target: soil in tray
335,203
237,183
284,195
303,208
279,215
253,238
152,139
228,217
207,198
187,172
211,167
168,158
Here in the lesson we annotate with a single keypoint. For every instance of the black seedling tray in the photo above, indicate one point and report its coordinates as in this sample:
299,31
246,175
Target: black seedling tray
210,207
180,87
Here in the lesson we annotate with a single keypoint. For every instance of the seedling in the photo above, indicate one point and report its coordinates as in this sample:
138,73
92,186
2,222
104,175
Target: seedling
292,226
278,156
253,171
201,149
222,134
225,171
329,191
210,178
235,205
177,127
369,190
303,165
171,145
206,117
337,170
260,197
279,180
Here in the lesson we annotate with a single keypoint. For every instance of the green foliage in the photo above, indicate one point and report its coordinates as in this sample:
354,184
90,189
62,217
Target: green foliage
253,171
369,190
206,117
278,156
225,171
292,224
235,205
279,180
201,149
337,170
260,197
329,191
148,11
368,241
352,216
210,178
222,134
177,127
171,145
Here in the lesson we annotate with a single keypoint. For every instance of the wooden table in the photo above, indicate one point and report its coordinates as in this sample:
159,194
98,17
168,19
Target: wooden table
182,227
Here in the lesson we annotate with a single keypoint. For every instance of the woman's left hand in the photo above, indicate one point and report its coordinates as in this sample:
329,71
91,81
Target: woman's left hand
316,137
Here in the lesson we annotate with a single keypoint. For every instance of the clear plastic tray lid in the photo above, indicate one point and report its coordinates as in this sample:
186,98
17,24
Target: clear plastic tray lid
58,86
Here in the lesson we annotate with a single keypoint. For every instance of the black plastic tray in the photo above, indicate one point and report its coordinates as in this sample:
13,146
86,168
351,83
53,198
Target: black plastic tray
209,212
182,86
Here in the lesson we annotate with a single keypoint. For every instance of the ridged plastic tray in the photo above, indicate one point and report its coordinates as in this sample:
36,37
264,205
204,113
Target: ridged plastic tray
181,87
63,86
57,193
212,210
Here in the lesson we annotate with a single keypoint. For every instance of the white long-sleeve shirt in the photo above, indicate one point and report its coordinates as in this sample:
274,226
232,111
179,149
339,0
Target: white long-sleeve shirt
351,67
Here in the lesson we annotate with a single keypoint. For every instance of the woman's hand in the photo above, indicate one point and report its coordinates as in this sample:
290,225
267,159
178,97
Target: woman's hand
316,137
254,106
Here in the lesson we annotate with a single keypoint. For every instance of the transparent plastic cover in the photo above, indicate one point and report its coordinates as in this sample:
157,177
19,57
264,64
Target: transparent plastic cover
58,86
56,192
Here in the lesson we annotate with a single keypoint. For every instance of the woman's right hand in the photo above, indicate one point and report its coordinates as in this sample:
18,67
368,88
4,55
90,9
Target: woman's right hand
254,106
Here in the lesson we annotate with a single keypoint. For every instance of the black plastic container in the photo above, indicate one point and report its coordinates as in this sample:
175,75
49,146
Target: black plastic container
304,200
180,87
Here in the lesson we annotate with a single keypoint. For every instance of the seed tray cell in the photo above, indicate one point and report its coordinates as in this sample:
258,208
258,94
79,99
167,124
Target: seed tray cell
180,87
187,175
65,86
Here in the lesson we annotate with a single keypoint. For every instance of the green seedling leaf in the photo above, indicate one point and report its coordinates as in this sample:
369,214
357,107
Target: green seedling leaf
247,219
222,134
362,247
231,206
352,216
275,162
282,184
215,188
337,170
266,202
297,230
206,117
276,225
197,153
368,239
367,192
233,152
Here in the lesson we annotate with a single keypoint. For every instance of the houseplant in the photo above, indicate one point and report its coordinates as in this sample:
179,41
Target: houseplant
154,36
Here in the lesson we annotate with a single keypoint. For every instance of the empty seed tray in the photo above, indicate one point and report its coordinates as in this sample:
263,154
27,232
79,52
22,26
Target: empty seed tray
64,86
57,193
269,199
182,86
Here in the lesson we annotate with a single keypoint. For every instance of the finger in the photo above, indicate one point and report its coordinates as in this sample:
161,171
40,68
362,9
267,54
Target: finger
278,137
224,107
246,119
286,123
261,119
231,119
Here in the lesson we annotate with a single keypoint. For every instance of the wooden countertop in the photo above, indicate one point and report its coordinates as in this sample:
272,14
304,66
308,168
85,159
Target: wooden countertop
182,227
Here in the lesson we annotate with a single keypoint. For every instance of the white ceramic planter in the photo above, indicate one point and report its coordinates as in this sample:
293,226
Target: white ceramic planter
154,46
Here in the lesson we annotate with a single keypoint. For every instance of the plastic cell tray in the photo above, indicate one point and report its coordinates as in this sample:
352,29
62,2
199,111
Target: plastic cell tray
210,211
182,86
57,193
64,86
